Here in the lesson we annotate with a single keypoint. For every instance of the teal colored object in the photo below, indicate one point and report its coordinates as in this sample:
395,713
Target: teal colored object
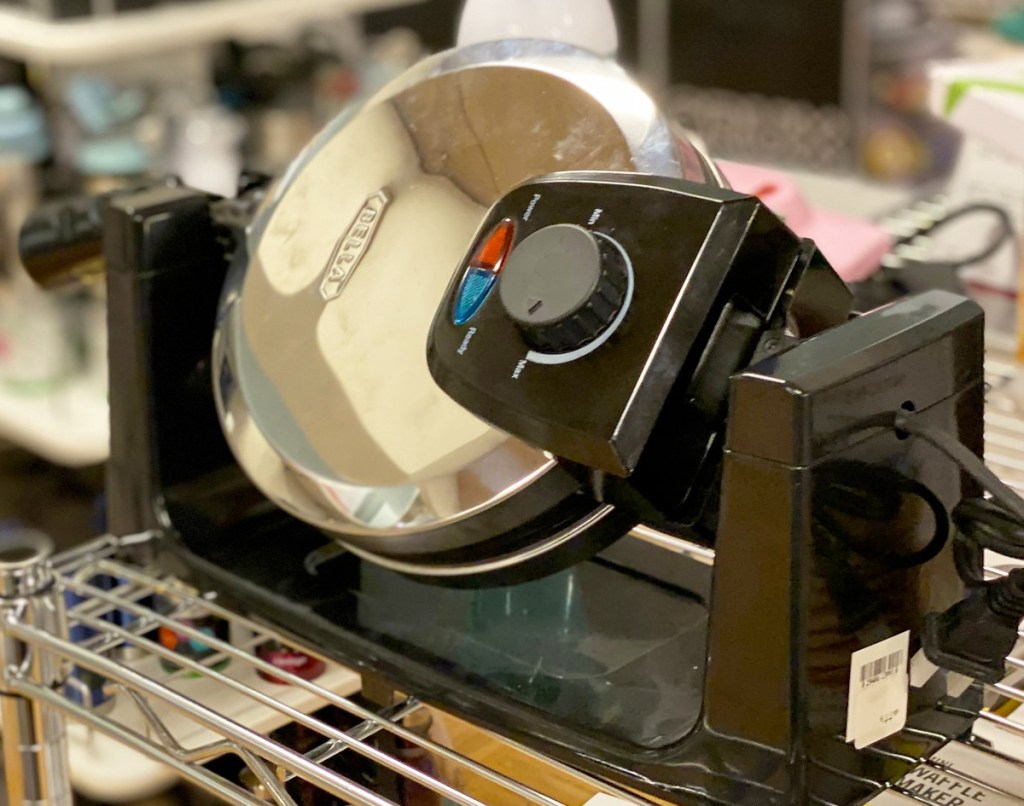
23,131
99,106
1012,25
112,156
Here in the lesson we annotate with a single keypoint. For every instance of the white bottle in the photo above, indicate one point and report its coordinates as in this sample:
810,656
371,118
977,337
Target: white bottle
588,24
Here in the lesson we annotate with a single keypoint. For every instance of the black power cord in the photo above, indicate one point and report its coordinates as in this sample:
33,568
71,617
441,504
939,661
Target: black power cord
1004,233
875,493
912,276
975,636
860,511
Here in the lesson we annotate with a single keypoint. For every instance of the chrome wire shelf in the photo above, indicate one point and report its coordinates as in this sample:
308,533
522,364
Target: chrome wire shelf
167,706
185,713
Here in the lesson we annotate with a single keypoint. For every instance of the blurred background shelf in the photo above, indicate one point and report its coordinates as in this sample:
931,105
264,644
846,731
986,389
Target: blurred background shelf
66,426
162,28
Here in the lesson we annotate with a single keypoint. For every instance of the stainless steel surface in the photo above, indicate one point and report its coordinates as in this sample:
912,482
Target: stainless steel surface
677,545
490,565
34,738
325,396
23,555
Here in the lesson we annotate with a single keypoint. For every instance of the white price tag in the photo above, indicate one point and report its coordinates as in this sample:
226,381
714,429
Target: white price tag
879,691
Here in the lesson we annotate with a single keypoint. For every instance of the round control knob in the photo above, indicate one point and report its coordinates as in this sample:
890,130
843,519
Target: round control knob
563,287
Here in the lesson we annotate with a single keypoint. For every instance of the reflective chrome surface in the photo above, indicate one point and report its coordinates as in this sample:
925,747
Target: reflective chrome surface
323,385
490,564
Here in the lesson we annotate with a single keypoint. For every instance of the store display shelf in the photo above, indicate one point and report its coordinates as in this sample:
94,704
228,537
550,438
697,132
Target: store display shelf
107,771
183,719
180,720
161,28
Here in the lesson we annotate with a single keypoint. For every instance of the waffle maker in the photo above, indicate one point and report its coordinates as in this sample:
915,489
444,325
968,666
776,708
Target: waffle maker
513,405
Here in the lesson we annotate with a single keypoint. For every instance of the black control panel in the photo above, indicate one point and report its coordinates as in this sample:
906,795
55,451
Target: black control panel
587,298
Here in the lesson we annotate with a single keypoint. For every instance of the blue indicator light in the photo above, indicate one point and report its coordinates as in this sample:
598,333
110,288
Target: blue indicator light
473,291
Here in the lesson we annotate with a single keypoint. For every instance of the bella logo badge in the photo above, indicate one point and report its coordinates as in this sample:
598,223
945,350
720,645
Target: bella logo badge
352,246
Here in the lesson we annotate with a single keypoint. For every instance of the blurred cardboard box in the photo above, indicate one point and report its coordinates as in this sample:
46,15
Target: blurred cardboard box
985,101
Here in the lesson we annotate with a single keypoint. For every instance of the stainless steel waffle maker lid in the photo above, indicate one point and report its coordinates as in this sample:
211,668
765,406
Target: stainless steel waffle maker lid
320,354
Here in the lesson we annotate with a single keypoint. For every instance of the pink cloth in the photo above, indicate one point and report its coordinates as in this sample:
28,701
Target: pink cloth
853,246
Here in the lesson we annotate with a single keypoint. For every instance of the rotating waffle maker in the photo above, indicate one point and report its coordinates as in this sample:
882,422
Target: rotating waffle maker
514,406
340,423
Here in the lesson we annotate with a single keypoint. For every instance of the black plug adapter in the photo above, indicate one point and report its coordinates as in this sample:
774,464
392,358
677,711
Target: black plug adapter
976,635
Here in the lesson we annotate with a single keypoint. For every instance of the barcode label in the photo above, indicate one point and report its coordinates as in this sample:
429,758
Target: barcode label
879,691
883,668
